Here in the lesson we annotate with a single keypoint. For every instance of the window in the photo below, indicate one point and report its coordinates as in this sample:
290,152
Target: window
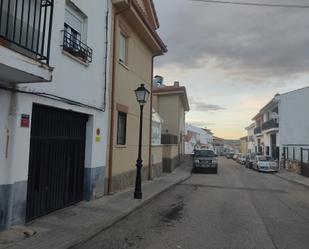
73,24
75,34
123,48
156,133
73,38
122,128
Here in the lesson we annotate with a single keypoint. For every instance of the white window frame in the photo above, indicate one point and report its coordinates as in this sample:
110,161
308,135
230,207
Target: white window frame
156,133
123,48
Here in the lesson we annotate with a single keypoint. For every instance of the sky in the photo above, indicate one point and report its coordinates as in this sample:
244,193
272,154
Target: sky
232,59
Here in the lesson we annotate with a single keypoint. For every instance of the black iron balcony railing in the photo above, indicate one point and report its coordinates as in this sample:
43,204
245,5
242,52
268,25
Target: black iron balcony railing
75,47
270,124
257,130
26,25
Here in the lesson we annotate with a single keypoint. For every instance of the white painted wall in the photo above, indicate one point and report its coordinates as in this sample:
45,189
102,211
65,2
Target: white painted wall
198,136
72,80
251,144
4,129
294,117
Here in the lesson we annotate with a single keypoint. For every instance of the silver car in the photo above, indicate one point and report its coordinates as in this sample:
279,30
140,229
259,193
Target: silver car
265,164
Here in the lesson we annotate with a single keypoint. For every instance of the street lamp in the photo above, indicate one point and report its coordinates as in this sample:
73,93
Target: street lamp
142,95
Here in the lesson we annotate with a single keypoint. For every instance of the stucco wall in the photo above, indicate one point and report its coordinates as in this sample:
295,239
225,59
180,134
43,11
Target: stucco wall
294,117
168,108
157,160
72,79
127,78
156,153
243,147
4,132
170,157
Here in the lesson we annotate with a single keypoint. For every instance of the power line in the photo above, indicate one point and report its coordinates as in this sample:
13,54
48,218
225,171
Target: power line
255,4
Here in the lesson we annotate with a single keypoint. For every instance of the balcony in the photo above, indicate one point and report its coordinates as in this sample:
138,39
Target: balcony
76,48
270,125
25,32
257,131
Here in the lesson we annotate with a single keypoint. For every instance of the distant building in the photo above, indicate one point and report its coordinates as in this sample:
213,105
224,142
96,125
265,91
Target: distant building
218,145
266,130
251,138
281,130
171,103
244,145
197,138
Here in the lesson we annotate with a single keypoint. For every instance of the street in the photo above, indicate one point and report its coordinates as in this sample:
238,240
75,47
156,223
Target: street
237,208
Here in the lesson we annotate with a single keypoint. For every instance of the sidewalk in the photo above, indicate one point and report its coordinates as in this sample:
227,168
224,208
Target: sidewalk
73,225
293,177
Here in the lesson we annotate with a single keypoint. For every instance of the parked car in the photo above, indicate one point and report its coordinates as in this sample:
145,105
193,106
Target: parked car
205,161
242,160
229,155
265,163
236,157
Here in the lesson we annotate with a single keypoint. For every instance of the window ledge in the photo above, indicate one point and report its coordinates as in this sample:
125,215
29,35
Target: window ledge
75,58
124,65
120,146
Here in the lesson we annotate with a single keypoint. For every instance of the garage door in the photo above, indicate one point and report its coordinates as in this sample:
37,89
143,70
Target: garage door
56,162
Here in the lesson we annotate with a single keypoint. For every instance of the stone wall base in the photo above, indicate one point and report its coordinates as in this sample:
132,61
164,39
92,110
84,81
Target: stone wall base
94,183
126,180
169,164
13,199
157,170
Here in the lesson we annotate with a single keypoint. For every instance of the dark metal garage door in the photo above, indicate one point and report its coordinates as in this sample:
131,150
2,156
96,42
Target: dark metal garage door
56,162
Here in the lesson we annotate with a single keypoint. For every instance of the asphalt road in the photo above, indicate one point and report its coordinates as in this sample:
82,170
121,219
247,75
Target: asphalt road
237,208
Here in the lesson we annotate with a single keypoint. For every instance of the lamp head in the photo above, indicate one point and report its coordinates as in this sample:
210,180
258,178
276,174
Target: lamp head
142,94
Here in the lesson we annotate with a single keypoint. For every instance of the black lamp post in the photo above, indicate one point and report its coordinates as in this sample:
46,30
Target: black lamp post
142,95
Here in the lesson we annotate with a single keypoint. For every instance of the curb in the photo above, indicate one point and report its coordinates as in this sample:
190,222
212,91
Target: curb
117,219
292,181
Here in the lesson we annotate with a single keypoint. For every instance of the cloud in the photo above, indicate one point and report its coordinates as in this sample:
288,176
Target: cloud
199,105
251,42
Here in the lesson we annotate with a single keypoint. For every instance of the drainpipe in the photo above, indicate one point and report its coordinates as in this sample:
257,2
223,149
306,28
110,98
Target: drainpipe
11,134
106,54
150,173
111,140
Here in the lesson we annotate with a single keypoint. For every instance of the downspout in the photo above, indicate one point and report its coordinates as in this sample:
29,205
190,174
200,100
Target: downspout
150,173
106,56
111,140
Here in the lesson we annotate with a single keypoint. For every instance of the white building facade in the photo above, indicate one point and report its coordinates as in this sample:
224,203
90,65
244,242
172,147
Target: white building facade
197,138
251,138
53,93
282,126
266,132
294,123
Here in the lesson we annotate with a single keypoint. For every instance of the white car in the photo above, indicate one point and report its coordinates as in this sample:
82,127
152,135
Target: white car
265,163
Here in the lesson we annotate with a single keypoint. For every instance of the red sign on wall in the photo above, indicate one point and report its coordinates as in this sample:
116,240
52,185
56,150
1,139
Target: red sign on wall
25,121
